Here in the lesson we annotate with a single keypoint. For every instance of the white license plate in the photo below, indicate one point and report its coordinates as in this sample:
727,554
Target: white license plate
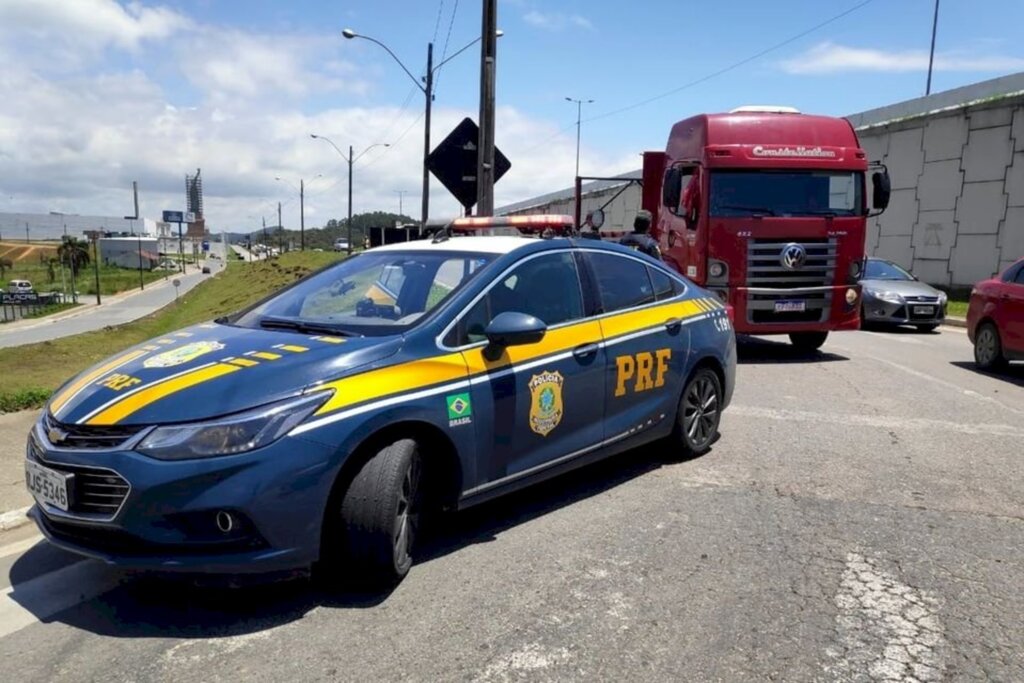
790,306
924,310
47,486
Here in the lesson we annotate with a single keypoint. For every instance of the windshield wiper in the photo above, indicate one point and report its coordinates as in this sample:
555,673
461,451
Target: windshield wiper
831,213
754,209
305,326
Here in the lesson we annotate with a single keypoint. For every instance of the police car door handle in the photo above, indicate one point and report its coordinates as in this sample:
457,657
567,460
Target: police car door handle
585,350
673,324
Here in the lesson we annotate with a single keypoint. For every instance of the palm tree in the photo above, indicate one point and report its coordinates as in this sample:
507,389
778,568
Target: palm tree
75,253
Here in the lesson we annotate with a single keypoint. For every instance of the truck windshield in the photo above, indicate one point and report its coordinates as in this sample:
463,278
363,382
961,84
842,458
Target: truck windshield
373,294
785,193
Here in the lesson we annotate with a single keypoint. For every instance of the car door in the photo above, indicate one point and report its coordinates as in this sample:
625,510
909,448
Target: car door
1011,305
645,340
536,403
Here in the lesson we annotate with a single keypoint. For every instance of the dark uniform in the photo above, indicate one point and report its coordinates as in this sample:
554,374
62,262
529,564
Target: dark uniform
639,239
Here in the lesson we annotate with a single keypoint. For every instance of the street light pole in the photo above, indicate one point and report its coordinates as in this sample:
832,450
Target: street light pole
302,215
427,88
350,160
401,195
349,221
579,116
931,55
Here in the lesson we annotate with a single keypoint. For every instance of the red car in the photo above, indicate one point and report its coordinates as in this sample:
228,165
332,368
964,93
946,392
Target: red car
995,318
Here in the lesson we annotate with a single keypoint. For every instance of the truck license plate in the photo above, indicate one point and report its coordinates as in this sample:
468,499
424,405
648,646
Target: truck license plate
924,310
790,306
47,486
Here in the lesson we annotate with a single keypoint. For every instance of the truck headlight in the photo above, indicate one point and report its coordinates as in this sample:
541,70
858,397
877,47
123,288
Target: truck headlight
890,297
230,435
851,296
716,269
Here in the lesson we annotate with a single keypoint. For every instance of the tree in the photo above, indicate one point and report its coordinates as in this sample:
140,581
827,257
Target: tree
51,269
75,253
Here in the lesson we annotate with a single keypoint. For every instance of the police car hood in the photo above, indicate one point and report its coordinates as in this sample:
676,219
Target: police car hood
209,370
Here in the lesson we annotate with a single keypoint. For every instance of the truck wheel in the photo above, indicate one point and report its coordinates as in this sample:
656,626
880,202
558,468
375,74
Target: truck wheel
988,349
700,411
808,341
380,515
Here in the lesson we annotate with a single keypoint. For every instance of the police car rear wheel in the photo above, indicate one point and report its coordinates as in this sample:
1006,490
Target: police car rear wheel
699,413
380,513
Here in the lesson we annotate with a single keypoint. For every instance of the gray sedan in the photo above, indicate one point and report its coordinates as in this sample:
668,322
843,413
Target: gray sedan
895,297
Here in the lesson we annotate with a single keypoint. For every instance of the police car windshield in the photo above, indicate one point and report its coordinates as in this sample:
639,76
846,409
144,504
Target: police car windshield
371,294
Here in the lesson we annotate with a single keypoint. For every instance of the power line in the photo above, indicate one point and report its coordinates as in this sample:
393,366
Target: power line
733,66
444,52
437,22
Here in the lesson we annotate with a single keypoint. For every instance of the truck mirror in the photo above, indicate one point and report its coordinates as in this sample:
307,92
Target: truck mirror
881,189
671,190
596,219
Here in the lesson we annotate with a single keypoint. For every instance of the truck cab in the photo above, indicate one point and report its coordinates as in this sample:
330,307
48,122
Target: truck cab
767,207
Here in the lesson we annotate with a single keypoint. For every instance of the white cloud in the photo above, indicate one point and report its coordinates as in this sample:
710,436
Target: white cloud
89,23
556,21
829,57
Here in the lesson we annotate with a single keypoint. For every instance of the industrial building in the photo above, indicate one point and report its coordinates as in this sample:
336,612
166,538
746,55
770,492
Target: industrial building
956,159
129,252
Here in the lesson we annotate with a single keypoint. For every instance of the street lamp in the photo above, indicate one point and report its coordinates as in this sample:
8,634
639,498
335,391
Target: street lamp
427,88
302,207
579,113
351,160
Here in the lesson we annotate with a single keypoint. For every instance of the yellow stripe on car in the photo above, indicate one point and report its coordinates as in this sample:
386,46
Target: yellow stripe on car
155,392
61,400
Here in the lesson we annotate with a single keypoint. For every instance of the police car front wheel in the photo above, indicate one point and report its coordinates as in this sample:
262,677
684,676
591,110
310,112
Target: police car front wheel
380,514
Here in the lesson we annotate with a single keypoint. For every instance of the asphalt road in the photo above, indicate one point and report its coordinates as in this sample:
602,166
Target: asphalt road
115,310
860,519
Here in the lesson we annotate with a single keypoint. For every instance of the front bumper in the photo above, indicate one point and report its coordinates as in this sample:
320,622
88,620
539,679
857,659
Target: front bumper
167,520
885,312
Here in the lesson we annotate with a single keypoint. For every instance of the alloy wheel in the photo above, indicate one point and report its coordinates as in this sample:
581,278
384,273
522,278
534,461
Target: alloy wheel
700,412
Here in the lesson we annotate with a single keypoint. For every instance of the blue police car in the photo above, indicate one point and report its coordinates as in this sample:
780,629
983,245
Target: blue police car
320,423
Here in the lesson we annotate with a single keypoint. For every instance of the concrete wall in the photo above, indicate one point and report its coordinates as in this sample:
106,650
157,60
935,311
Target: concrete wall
957,209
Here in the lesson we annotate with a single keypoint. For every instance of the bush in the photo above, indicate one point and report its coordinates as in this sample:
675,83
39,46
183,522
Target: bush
23,399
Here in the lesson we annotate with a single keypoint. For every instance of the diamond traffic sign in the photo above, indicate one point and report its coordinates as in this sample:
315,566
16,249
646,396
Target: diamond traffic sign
454,161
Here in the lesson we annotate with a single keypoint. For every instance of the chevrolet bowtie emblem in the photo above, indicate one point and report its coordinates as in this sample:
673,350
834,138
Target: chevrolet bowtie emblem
56,436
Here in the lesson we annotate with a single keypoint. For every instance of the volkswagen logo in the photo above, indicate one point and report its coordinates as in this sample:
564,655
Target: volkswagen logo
793,256
56,436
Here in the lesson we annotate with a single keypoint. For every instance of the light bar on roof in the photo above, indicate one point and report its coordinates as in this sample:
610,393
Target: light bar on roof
535,222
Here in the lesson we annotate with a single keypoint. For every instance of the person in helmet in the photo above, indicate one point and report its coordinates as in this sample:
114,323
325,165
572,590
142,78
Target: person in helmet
640,238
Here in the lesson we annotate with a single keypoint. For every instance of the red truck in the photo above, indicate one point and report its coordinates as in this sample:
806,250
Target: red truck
767,207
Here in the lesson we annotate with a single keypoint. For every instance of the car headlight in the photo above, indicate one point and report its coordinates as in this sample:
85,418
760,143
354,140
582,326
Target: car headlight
943,298
890,297
230,435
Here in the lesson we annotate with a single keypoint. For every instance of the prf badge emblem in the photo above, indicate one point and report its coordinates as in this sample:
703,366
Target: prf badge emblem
182,355
545,402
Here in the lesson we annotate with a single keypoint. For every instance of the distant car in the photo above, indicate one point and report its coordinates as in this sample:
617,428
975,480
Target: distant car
19,287
995,318
892,296
341,245
206,270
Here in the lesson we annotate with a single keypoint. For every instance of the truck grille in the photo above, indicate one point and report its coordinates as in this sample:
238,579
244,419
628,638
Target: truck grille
89,437
766,272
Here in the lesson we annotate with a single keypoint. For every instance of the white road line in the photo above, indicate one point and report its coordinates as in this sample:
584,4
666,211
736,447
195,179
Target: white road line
26,603
903,339
886,630
19,546
879,421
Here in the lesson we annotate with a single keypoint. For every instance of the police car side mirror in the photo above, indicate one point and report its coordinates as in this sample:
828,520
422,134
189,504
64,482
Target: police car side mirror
512,328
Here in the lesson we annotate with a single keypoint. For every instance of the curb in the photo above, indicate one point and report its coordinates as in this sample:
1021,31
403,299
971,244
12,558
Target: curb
14,519
956,322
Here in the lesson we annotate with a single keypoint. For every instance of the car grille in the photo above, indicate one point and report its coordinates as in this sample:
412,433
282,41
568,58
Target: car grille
95,492
89,437
765,272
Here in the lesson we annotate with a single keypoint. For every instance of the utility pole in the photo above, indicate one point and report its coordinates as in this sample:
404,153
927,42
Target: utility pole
27,239
428,91
401,195
579,116
485,148
302,215
96,265
349,222
931,55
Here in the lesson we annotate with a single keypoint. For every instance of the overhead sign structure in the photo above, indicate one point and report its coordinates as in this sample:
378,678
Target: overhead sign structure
454,161
174,216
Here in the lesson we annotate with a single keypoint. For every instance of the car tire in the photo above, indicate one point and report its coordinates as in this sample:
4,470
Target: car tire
380,515
808,341
988,348
698,416
927,328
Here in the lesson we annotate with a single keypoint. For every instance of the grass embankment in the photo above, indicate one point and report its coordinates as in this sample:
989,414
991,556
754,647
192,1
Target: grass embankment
32,372
957,309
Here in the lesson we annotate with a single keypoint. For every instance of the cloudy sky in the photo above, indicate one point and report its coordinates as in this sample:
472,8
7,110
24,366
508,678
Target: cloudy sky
97,93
